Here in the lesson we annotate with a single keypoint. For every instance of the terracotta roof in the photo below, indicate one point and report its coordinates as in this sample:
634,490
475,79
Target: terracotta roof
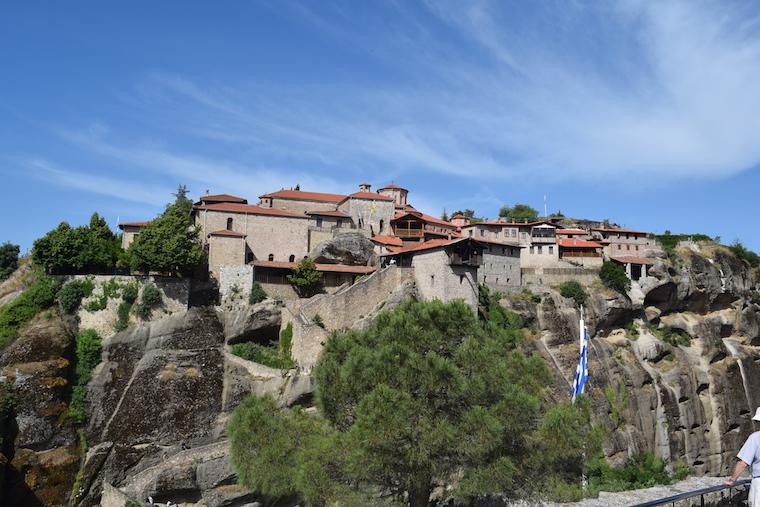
249,209
387,240
223,198
122,225
633,260
299,195
577,243
325,268
371,196
523,224
427,245
629,231
329,213
393,187
424,217
231,234
571,232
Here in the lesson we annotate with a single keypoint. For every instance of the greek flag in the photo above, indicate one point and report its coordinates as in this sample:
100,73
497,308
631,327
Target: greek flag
581,372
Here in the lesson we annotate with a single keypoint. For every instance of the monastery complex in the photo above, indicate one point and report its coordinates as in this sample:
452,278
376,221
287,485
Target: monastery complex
375,229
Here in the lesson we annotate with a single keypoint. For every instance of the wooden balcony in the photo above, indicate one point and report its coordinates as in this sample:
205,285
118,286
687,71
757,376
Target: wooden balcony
456,259
581,254
406,233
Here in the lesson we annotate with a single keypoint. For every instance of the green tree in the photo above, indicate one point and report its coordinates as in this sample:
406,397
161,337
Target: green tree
306,280
8,259
458,399
169,243
518,213
613,276
257,294
93,248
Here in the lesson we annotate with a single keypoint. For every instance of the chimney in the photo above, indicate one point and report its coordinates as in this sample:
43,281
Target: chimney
364,187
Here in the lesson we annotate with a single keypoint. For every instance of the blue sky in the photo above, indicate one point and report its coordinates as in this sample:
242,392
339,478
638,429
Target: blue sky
645,113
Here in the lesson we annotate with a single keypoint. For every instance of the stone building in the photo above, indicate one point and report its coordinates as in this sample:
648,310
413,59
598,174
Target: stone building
299,201
443,269
500,269
580,252
635,267
130,230
369,211
620,242
412,226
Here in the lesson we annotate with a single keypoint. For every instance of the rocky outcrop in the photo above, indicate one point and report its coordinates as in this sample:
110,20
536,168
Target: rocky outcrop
348,248
260,323
687,397
40,446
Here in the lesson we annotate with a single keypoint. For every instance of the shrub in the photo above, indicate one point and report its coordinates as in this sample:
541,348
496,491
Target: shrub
122,316
129,294
613,276
274,357
644,471
71,294
572,289
88,348
39,296
306,280
151,298
318,321
671,335
668,241
8,259
631,331
257,294
518,213
745,254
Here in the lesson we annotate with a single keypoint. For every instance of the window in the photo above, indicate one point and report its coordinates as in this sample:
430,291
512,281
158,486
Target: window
339,223
229,224
514,233
637,248
381,226
292,258
551,250
470,232
482,232
432,279
271,257
503,250
461,279
540,249
532,250
319,222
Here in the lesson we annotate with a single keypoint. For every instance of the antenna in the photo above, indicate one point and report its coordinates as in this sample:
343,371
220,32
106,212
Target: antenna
546,213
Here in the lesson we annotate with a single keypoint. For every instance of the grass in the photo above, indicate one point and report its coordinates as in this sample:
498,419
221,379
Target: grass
87,357
671,335
39,296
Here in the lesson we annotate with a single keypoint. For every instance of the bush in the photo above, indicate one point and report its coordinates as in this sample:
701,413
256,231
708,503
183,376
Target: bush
745,254
273,356
306,280
8,259
572,289
644,471
88,348
151,298
39,296
257,294
668,241
129,294
671,335
318,321
122,316
613,276
71,294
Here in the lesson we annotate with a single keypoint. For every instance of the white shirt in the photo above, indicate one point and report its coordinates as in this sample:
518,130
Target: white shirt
750,453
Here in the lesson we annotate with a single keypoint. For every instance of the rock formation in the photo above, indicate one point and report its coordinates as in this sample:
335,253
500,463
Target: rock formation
347,248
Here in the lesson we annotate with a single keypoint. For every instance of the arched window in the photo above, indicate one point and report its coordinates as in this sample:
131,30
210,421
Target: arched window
229,224
381,226
292,258
271,257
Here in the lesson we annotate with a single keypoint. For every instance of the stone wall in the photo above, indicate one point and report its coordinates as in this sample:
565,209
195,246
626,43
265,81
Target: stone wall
235,281
500,271
225,251
548,277
175,295
299,206
265,234
341,309
370,214
546,257
436,279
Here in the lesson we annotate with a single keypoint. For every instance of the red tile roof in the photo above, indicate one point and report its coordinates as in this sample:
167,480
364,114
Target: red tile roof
393,187
249,209
571,232
493,242
299,195
633,260
327,268
329,213
577,243
629,231
371,196
223,198
427,245
387,240
122,225
224,232
425,218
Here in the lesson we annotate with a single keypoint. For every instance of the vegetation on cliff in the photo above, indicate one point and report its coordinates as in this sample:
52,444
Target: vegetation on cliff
87,358
306,280
8,259
518,213
425,394
278,356
39,296
613,276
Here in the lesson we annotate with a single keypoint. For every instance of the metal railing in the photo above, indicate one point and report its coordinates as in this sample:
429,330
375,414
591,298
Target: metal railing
671,500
